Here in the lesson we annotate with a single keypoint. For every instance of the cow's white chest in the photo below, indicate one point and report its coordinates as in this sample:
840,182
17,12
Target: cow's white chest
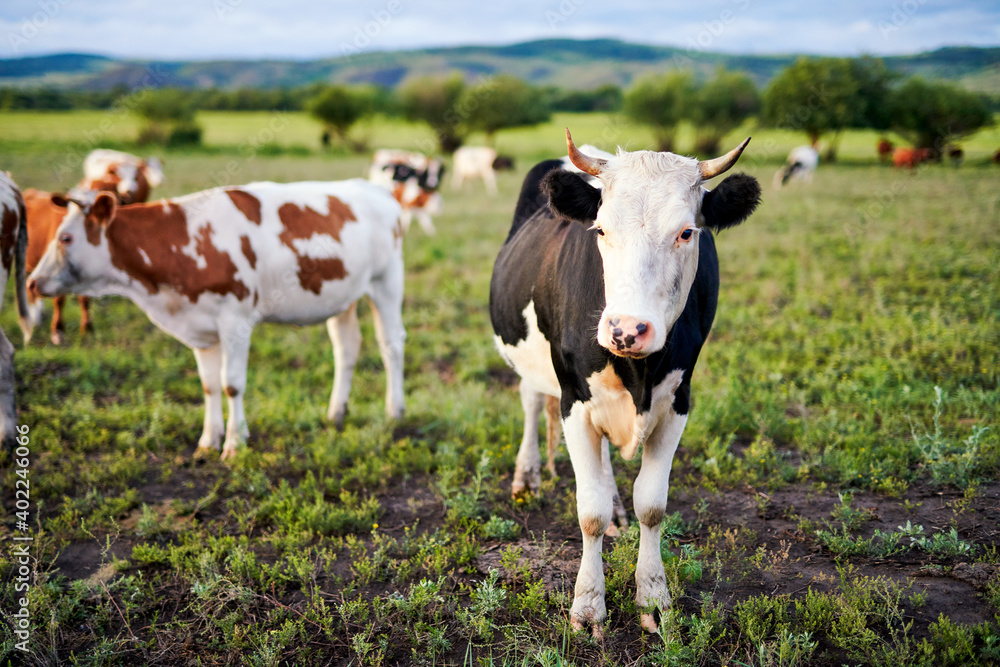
532,357
612,411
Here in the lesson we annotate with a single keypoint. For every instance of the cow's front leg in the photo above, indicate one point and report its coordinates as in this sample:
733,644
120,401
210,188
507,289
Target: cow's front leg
345,334
235,354
527,469
594,511
387,302
650,503
58,333
86,325
210,369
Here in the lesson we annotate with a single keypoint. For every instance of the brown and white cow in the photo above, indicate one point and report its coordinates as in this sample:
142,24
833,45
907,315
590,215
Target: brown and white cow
13,245
207,267
128,176
132,177
414,180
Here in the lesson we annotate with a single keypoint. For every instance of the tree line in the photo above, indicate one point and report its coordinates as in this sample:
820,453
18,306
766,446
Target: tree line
820,97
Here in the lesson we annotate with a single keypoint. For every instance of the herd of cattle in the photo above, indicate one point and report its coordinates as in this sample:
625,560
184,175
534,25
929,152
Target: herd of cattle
601,297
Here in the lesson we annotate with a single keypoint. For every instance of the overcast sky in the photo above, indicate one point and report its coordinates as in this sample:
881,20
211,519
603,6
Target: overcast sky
207,29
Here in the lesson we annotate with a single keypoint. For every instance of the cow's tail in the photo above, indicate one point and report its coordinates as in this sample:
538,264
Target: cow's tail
21,275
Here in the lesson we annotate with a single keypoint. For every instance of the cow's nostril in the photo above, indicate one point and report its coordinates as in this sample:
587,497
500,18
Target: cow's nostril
641,328
615,321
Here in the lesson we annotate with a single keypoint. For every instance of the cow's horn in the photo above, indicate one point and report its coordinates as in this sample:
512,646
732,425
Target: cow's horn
589,165
712,168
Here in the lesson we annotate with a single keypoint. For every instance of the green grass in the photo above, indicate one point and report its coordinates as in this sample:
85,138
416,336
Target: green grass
846,398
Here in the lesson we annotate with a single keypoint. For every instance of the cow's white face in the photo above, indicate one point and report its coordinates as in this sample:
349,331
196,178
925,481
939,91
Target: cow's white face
647,231
647,218
77,260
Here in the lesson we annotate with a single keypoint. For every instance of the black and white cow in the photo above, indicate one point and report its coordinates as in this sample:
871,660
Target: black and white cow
603,298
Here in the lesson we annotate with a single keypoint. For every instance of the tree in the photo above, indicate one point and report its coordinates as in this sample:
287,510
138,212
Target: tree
168,117
720,106
501,102
874,81
661,101
435,102
338,108
932,114
815,95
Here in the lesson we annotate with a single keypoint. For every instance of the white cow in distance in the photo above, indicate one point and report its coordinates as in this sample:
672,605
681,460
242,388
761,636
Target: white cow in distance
800,166
474,162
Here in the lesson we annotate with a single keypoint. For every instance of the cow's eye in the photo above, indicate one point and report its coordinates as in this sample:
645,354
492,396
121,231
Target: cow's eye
686,235
600,232
66,239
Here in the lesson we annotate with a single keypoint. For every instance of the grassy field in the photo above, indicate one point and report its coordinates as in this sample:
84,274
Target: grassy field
835,499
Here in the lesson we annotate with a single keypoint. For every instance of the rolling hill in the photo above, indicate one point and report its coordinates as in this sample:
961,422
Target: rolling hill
580,64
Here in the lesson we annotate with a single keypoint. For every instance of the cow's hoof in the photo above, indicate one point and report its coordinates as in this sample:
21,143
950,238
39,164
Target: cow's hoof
527,483
228,454
58,338
205,453
649,622
596,629
612,531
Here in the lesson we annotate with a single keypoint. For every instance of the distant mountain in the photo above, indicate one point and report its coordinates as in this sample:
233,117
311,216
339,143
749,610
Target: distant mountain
579,64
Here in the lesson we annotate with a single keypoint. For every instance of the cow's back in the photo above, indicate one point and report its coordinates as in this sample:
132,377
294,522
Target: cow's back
316,243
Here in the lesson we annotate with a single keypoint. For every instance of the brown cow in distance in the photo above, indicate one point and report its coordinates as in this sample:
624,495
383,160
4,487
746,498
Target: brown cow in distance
129,177
910,157
884,149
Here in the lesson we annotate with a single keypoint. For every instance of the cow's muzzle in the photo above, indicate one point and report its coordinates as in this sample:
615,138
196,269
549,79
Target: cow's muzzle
627,336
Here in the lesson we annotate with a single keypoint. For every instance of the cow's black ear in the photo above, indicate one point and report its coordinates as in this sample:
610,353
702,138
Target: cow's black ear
570,196
731,202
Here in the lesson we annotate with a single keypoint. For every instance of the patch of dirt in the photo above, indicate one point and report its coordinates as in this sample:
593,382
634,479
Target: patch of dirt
84,559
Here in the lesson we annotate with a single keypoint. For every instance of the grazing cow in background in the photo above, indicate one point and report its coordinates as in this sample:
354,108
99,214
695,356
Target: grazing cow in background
474,162
800,166
129,177
13,246
956,155
414,180
603,299
996,157
910,157
884,148
207,267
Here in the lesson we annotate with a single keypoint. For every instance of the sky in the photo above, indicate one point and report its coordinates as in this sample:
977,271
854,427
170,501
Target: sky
300,29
